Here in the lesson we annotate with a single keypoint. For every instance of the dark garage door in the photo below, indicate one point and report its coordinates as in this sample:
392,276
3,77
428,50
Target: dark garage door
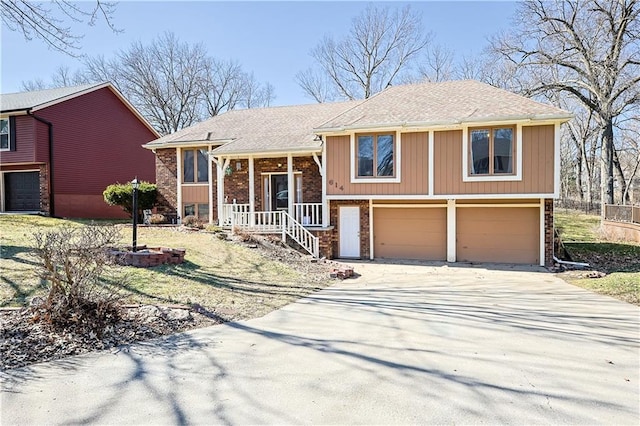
22,191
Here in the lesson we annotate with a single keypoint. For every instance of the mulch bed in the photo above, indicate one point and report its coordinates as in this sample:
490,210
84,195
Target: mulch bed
25,340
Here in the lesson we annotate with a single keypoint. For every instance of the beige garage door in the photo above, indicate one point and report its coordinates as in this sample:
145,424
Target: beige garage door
410,233
506,235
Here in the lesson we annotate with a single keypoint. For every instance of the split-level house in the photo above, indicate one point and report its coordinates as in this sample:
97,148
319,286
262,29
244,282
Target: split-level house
453,171
60,148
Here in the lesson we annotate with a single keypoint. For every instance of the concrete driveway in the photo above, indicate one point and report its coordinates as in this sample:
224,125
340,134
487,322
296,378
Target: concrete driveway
410,344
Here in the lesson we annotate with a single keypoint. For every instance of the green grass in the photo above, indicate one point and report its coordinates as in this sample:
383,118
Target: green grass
216,274
619,260
575,226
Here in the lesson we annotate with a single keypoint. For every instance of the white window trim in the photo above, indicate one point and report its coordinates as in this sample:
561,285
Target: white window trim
8,148
397,155
295,174
466,177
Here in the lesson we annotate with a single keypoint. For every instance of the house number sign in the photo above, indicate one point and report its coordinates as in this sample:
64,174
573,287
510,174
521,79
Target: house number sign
336,184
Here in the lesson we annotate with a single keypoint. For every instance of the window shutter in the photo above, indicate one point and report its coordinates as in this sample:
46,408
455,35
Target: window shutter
12,133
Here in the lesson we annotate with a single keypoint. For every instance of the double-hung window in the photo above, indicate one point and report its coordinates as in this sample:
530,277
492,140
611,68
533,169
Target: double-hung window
491,151
5,143
375,155
195,167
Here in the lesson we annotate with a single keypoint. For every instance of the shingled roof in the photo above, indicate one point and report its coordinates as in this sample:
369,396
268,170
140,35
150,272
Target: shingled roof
294,128
38,98
445,103
259,130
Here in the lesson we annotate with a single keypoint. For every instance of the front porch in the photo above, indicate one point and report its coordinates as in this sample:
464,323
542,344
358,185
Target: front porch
280,195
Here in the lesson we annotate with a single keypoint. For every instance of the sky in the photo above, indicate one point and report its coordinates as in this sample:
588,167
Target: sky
270,39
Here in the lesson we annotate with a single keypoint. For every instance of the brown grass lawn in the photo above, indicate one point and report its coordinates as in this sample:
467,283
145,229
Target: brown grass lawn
222,276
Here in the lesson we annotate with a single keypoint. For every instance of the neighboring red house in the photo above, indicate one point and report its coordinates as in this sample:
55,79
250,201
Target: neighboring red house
60,148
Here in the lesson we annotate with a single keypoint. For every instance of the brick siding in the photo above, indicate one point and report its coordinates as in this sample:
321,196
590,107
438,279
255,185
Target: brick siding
45,200
236,186
548,232
166,181
365,245
326,237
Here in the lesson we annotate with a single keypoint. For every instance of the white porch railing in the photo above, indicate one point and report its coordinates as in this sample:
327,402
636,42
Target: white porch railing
259,222
228,210
308,214
299,234
277,222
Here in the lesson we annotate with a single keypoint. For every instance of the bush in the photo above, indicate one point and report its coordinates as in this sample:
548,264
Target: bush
119,194
192,222
77,268
245,236
157,218
213,228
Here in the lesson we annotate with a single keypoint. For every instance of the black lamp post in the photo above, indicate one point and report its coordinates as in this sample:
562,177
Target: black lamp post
135,184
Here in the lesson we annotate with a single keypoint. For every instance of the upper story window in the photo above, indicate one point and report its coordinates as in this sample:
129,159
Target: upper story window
195,166
491,151
375,155
4,134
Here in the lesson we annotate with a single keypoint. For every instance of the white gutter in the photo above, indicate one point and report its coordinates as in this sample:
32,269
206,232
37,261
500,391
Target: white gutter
242,154
444,123
186,144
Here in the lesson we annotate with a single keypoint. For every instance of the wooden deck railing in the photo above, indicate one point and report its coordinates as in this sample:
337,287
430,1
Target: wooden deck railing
616,213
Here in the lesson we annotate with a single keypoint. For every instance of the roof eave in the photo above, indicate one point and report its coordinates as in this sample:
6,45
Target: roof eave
447,123
184,144
17,111
49,103
268,152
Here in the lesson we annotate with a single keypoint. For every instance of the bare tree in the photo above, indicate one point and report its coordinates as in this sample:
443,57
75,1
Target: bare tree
61,77
49,21
589,50
173,84
380,45
33,85
228,87
437,64
164,80
316,84
256,95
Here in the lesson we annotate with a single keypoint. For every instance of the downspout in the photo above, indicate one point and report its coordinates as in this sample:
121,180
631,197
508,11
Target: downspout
51,191
564,262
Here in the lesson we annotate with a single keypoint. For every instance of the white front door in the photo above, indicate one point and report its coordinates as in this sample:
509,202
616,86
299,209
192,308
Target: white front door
349,229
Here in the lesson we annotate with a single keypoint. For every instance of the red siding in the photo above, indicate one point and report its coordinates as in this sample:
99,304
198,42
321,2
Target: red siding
96,142
26,140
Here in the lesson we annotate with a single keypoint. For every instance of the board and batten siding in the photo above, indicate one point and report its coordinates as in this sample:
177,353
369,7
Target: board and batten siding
537,165
195,193
414,168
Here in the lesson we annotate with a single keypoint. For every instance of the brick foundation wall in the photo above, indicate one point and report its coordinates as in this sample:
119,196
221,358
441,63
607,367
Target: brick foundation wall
325,242
548,232
166,181
365,246
45,200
